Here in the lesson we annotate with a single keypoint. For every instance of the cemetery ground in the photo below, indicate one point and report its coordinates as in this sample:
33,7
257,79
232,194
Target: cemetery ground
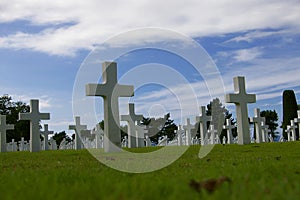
262,171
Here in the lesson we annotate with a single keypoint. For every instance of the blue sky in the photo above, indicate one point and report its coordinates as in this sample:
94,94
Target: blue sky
43,45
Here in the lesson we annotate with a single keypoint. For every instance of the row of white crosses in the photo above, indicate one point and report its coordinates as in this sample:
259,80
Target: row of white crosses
34,116
291,129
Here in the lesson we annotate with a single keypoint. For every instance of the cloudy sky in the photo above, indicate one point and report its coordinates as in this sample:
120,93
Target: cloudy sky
43,45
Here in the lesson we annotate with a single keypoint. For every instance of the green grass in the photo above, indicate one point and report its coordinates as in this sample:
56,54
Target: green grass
257,171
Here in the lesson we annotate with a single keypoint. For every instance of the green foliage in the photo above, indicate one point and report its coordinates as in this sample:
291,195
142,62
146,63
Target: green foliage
219,114
256,172
123,129
58,137
289,109
12,109
271,120
160,127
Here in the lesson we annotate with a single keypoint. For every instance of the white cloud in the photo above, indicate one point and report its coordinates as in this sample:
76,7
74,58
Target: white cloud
94,21
244,55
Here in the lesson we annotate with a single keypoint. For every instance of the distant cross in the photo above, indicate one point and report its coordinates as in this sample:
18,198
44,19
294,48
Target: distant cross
293,130
203,119
148,141
265,131
110,90
288,131
188,132
297,120
240,98
131,118
140,133
179,135
213,133
257,119
45,133
22,144
98,136
77,128
34,116
229,128
3,128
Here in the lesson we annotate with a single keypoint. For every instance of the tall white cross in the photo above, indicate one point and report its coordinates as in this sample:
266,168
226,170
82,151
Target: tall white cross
257,119
179,135
131,118
140,133
240,98
265,130
34,116
110,90
203,119
293,130
297,120
229,128
45,133
288,131
98,136
188,132
213,133
77,128
3,128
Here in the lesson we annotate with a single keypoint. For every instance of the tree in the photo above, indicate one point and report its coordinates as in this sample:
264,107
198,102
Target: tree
289,110
219,114
160,127
271,120
11,110
58,137
122,128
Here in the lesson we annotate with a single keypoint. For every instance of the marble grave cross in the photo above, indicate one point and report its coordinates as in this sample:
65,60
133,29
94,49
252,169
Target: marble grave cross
34,116
229,128
203,119
110,90
3,128
240,98
131,118
77,128
188,132
257,119
45,133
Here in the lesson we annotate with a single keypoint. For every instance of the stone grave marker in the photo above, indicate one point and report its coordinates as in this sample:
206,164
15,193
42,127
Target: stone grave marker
110,90
131,118
179,132
257,119
45,133
34,116
297,120
265,131
98,136
77,128
148,141
293,130
140,133
203,119
3,128
212,133
240,98
229,128
288,132
22,144
188,132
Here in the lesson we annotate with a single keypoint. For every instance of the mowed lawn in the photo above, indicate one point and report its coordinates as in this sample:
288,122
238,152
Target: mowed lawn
256,171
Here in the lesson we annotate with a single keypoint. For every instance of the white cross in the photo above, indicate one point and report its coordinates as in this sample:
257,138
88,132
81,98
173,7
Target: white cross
34,116
188,132
98,136
240,98
297,120
148,141
22,144
229,128
140,133
110,90
179,135
131,118
288,131
257,119
265,131
46,132
203,119
77,128
213,133
3,128
293,130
